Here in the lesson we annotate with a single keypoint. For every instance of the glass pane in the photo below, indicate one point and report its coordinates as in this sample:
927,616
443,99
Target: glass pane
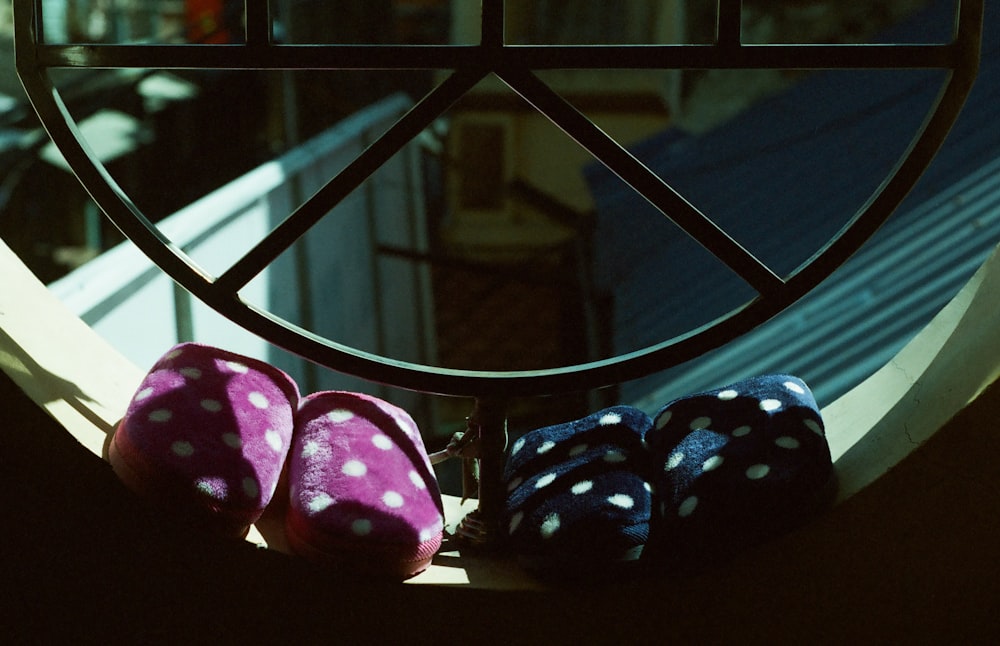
595,22
142,21
875,21
374,22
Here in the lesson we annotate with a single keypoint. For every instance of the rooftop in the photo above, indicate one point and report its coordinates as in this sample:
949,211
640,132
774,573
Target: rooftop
818,151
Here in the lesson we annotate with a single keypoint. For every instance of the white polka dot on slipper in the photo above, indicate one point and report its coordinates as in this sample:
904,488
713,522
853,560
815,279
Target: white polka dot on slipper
274,440
712,463
182,449
354,468
259,400
700,423
211,405
361,527
417,480
319,502
687,507
392,499
622,500
310,448
795,388
770,405
610,419
237,367
251,487
550,525
614,456
340,416
787,442
813,426
515,521
160,415
545,480
545,447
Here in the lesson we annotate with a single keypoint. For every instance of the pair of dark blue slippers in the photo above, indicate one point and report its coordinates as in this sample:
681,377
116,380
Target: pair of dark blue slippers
710,475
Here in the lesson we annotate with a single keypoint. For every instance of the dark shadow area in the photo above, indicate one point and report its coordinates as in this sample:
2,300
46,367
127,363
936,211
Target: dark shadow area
907,559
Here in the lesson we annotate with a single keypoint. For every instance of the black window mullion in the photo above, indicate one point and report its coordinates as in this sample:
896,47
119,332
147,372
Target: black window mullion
492,23
728,31
258,22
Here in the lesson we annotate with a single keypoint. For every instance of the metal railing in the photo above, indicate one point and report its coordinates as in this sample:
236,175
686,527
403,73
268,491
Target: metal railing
516,65
391,311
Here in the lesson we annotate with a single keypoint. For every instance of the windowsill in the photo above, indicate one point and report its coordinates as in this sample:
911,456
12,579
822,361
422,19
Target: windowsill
84,385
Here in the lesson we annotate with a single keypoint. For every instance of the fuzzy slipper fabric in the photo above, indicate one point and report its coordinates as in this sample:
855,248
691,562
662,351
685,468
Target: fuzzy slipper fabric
735,466
579,495
206,435
363,495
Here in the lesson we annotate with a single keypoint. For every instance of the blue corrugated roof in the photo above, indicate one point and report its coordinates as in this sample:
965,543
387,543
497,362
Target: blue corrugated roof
782,178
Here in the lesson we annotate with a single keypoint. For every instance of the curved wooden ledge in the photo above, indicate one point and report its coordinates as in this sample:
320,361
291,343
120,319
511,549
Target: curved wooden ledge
85,385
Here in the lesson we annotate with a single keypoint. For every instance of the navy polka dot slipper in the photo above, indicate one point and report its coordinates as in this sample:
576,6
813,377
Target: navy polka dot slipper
206,436
363,496
579,497
735,466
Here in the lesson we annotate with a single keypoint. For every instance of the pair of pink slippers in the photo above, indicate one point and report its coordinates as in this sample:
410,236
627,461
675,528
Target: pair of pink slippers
220,437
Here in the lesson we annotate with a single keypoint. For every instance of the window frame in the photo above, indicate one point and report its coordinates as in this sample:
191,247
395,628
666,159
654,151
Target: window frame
515,65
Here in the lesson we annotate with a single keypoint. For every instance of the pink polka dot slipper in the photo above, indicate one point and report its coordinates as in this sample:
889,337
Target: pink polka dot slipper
206,435
363,495
735,466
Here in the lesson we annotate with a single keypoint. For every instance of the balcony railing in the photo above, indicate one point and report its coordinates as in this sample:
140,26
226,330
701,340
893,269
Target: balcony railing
337,262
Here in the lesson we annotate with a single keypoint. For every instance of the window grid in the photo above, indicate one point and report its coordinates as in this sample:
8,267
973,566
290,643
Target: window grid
515,65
